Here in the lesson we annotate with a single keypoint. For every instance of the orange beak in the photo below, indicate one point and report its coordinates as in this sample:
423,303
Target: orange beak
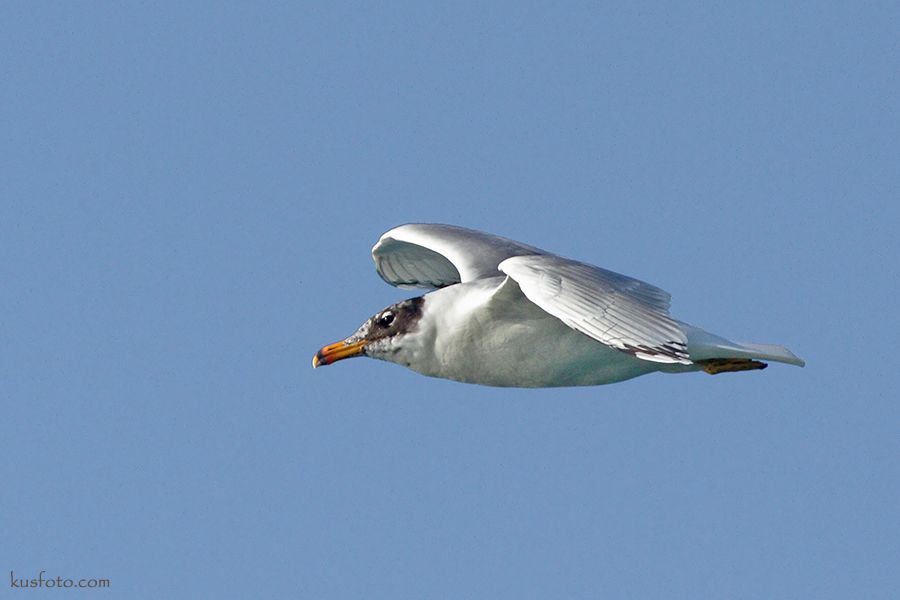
338,351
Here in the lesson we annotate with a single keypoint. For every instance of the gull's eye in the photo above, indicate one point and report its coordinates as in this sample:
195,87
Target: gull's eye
386,319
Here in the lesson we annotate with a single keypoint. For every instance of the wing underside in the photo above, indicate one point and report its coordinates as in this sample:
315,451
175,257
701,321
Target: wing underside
435,256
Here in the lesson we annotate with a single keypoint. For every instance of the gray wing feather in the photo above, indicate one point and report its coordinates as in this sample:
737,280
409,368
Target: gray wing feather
621,312
435,256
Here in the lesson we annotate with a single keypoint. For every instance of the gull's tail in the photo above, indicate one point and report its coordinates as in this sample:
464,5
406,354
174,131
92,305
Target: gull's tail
717,355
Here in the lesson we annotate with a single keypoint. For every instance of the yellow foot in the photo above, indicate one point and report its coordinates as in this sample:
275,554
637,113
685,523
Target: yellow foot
715,366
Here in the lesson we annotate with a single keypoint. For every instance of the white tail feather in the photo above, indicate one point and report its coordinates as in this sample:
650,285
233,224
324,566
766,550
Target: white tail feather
703,345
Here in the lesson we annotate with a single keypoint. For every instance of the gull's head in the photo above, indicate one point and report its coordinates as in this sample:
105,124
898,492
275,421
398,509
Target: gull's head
386,335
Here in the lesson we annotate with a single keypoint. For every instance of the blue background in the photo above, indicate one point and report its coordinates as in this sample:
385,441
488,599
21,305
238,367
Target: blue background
188,197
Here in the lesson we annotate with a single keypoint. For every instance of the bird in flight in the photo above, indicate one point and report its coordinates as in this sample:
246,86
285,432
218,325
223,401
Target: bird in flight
503,313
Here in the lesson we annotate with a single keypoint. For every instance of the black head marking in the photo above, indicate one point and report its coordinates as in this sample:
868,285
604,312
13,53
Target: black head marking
395,319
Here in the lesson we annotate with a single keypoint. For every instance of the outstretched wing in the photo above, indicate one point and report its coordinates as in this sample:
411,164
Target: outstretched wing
621,312
434,256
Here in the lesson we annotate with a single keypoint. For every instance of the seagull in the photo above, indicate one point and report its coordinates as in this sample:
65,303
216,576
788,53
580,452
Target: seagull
503,313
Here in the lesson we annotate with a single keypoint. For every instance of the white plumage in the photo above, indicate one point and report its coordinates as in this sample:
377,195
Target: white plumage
508,314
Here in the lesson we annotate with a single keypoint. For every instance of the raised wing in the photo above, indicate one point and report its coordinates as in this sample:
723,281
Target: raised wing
621,312
435,256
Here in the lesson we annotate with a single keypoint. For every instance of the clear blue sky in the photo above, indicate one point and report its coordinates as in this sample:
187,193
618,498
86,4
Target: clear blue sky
188,197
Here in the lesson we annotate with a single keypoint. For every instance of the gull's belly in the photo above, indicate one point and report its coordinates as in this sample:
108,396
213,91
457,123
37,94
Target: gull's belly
527,347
